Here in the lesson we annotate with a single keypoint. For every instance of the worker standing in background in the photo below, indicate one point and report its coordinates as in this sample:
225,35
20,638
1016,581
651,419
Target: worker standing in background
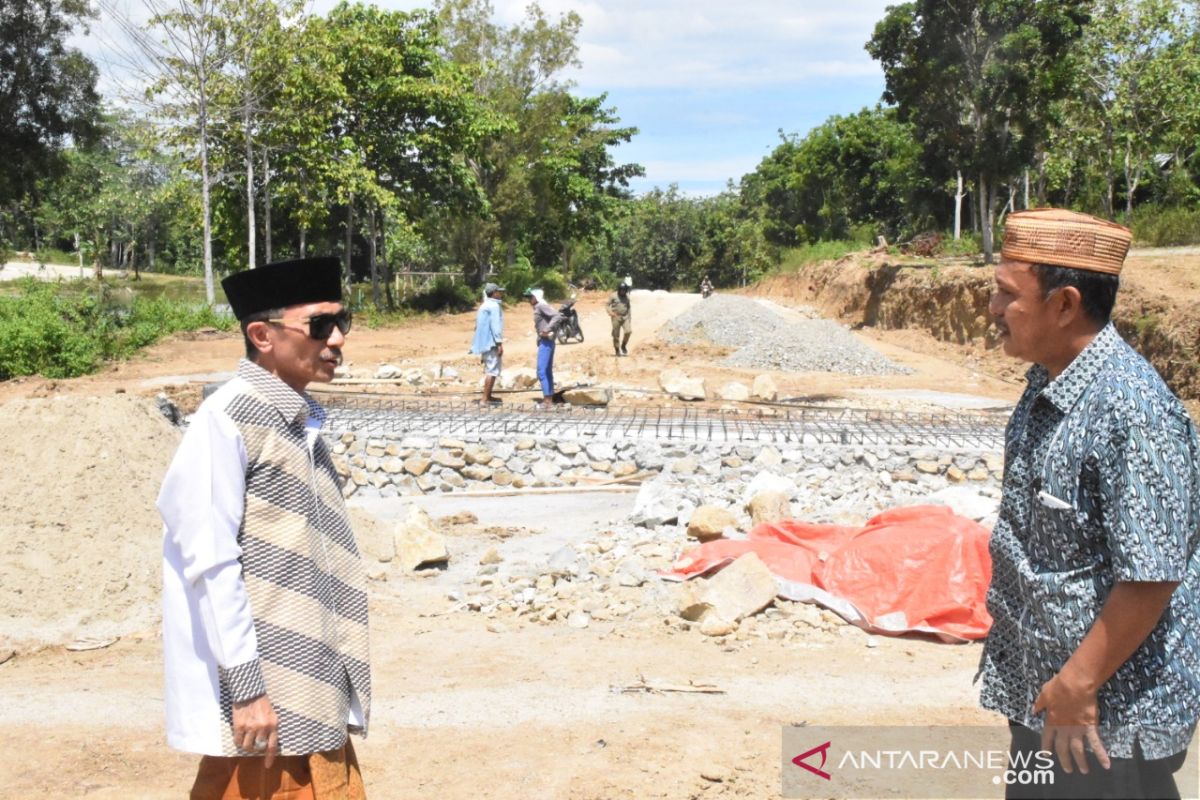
619,309
488,343
545,326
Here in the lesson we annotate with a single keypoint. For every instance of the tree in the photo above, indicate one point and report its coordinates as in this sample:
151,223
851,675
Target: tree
547,171
184,66
976,79
859,170
1135,88
48,96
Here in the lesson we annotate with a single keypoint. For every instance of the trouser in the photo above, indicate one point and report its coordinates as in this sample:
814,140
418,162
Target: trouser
1132,778
621,326
332,775
545,365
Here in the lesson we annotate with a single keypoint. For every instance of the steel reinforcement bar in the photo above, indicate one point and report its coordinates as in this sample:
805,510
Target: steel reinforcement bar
390,416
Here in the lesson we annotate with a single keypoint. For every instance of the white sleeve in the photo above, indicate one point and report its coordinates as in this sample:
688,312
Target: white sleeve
202,502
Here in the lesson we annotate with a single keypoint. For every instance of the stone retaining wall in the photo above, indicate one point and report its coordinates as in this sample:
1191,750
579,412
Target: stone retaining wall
410,465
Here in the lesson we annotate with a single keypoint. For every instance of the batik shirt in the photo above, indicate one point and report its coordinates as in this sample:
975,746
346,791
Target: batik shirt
1101,484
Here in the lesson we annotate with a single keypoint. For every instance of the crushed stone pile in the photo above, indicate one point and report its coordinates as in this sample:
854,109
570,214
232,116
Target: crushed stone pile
765,340
80,538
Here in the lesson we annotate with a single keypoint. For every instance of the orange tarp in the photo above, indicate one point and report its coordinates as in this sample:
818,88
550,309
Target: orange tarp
916,568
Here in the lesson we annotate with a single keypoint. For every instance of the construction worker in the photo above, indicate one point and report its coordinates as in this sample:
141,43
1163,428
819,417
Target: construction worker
488,343
545,325
619,309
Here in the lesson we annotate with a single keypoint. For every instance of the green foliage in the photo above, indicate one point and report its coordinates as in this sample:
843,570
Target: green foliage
445,295
372,318
1146,324
845,179
968,245
796,258
65,330
982,105
48,92
1158,226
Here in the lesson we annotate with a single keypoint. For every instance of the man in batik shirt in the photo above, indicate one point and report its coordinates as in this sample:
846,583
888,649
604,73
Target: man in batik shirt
1096,574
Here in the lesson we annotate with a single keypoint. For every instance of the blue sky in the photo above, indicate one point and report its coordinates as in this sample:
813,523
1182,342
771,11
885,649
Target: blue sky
708,83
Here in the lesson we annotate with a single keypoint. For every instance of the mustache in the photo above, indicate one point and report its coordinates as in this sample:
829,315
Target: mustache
333,352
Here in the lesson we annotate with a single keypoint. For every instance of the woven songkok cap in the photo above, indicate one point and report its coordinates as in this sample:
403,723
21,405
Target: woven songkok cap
1064,238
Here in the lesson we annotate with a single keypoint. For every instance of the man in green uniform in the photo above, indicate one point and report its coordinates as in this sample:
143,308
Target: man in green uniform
619,310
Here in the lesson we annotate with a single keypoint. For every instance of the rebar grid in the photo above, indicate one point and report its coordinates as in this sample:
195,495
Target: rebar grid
382,416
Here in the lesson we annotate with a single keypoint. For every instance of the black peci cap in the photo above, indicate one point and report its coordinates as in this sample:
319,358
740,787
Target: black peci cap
284,283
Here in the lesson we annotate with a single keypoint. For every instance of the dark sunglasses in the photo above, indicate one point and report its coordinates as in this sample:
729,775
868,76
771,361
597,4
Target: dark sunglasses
320,326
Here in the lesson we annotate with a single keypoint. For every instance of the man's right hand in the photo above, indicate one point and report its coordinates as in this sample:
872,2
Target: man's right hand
499,349
254,721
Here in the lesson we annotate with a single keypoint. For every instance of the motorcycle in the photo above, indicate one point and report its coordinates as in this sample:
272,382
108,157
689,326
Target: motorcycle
568,324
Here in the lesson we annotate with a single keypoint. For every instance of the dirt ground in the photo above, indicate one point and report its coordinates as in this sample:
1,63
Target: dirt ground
467,707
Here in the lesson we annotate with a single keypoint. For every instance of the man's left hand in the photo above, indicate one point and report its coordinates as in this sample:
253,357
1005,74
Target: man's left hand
1072,715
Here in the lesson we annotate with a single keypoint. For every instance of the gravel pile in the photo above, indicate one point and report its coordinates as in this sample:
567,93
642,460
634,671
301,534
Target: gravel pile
764,340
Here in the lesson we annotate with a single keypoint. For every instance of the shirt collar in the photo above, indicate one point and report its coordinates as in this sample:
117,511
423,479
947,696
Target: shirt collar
293,406
1068,387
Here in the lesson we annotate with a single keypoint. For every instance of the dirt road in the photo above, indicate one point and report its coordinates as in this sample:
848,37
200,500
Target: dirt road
472,707
469,707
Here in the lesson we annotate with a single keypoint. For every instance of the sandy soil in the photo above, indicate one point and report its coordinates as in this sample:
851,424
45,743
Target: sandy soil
520,709
531,712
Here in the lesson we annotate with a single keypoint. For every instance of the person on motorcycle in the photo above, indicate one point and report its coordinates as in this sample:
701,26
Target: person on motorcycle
706,287
619,309
545,325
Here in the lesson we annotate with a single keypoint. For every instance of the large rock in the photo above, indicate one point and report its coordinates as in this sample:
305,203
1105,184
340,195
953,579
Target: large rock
734,391
477,472
387,372
589,396
768,482
965,501
447,460
416,465
674,381
546,470
769,507
518,379
417,543
477,454
709,522
740,590
601,451
765,389
655,505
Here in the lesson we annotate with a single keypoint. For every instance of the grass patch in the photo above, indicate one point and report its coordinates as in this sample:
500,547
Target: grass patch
1146,324
62,330
1156,226
795,258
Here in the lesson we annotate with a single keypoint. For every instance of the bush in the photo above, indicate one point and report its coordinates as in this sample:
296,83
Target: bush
521,276
445,295
796,257
1156,226
970,244
65,330
553,284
